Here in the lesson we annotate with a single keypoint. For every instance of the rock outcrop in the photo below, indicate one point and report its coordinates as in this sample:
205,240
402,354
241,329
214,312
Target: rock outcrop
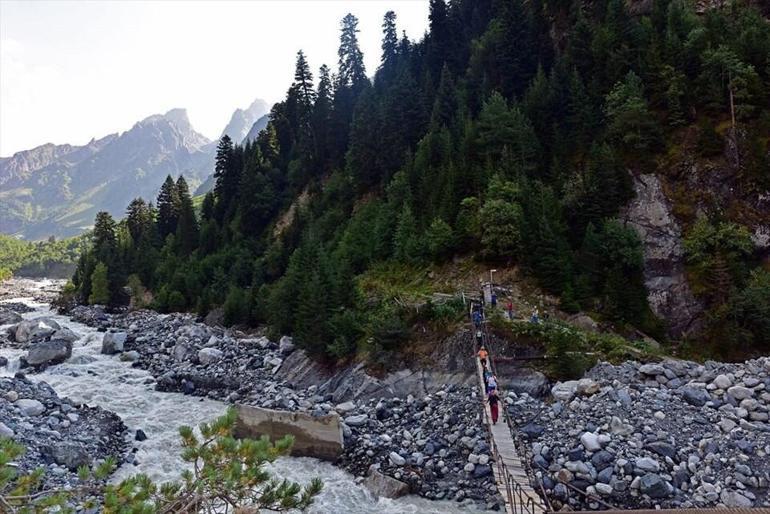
669,294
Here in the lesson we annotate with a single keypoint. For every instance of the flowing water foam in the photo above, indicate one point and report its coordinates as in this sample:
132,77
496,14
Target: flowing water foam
95,379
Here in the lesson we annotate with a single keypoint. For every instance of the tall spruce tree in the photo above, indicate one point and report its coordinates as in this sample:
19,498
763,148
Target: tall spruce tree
168,204
352,71
227,176
302,90
187,224
389,43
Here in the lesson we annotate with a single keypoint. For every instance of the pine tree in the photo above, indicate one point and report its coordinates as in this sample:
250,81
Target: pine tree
517,53
445,105
405,241
187,224
351,60
322,117
138,219
439,239
168,202
304,95
104,240
503,131
438,44
629,119
227,175
363,155
389,42
100,288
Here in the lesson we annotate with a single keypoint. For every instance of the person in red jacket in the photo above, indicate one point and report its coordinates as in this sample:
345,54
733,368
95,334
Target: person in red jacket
494,402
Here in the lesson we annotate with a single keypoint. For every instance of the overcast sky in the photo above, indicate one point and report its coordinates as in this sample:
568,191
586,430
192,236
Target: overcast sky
70,71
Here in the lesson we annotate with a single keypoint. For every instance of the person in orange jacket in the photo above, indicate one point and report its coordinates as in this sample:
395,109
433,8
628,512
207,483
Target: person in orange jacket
483,355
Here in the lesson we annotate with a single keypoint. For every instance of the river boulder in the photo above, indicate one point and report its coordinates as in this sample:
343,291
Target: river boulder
208,356
384,486
30,407
65,334
36,329
70,454
46,353
113,342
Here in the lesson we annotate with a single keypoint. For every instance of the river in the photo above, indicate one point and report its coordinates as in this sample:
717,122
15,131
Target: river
105,381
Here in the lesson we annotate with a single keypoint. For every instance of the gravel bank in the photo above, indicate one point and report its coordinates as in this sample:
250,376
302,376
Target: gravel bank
664,435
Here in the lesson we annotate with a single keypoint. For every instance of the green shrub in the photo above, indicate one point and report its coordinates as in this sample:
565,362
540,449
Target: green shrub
176,301
236,307
100,286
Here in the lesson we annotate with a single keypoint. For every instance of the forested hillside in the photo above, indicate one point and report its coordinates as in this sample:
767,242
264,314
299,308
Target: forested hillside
511,134
52,258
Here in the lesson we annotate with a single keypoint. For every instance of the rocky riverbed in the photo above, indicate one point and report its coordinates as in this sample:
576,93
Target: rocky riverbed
432,445
660,435
57,434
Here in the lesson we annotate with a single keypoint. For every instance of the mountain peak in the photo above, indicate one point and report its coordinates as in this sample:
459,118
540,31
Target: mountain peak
243,119
179,118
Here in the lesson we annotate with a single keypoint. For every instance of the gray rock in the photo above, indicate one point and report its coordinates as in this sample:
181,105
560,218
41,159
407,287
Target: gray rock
587,386
564,391
113,342
69,454
603,489
722,381
532,430
345,407
726,425
286,345
208,356
45,353
654,486
36,329
384,486
695,396
5,430
395,458
131,356
590,441
647,464
30,407
356,421
182,351
734,499
65,334
740,392
651,369
662,448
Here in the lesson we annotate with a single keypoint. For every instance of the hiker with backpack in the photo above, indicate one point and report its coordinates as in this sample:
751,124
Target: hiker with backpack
494,400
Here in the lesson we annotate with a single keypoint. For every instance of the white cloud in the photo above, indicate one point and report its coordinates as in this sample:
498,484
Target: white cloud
70,71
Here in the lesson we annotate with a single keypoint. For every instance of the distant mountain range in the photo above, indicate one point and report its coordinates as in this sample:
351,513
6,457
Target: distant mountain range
58,189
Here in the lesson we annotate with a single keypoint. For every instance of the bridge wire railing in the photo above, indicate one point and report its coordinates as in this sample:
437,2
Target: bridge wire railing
520,502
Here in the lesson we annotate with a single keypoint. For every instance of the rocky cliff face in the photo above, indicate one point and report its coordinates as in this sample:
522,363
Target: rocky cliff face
669,294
